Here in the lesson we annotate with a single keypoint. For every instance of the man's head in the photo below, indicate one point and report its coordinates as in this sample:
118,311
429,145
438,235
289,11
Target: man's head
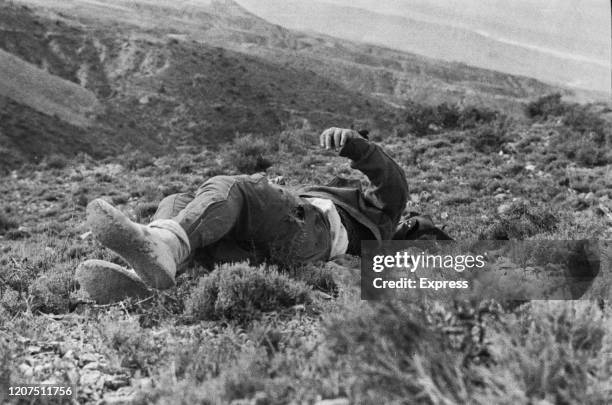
339,237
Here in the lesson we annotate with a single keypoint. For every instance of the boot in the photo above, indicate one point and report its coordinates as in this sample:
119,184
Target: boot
106,282
154,250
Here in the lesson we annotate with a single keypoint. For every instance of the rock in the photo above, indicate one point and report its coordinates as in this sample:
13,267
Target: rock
530,167
261,398
87,358
335,401
322,295
579,204
69,355
590,198
34,349
241,402
144,384
92,366
504,209
116,398
144,100
91,378
117,381
26,370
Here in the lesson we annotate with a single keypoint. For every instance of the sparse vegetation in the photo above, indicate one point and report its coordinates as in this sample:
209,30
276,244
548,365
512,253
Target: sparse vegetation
250,154
252,333
258,335
241,292
426,119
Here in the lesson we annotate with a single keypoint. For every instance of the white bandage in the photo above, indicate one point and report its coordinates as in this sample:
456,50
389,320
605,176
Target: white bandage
339,236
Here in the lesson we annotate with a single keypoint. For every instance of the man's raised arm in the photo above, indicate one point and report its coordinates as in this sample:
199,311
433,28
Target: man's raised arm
389,190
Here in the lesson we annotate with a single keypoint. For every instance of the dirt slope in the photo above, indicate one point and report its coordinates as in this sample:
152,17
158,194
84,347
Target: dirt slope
44,92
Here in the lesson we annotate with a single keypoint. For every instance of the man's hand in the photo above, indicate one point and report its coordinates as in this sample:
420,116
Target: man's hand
336,137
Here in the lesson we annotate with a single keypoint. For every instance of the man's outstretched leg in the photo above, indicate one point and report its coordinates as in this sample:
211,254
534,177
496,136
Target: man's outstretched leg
154,250
181,224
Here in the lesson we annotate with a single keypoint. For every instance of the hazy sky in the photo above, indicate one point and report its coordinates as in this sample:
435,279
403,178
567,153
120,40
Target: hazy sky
578,26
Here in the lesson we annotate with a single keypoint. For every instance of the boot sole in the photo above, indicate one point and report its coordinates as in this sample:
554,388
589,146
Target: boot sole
106,282
116,232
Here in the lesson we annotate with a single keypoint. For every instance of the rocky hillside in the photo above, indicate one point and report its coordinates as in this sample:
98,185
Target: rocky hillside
105,77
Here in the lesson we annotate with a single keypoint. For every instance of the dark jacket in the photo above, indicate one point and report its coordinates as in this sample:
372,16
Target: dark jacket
379,209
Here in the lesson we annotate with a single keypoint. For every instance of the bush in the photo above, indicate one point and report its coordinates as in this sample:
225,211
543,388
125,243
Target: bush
471,117
241,292
591,156
7,223
136,349
520,221
319,277
250,155
50,292
393,357
581,119
145,210
296,141
137,160
425,119
584,149
555,350
490,137
55,162
420,118
586,123
546,106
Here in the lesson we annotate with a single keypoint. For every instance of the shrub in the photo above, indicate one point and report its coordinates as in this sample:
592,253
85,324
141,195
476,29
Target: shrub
51,292
145,210
55,162
420,118
319,277
554,350
136,349
584,149
426,119
520,221
7,223
393,357
490,137
241,292
296,141
472,116
250,155
586,123
546,106
137,160
581,119
591,156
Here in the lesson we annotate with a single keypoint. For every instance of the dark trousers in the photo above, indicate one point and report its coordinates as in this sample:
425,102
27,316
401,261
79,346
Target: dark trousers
235,218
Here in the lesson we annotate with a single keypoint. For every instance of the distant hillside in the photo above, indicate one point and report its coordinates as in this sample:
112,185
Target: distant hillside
478,34
196,73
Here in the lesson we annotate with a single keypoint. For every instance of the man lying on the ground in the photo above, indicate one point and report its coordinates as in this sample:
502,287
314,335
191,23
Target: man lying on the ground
244,217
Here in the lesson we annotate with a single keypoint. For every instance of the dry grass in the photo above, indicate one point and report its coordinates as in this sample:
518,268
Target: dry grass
252,334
